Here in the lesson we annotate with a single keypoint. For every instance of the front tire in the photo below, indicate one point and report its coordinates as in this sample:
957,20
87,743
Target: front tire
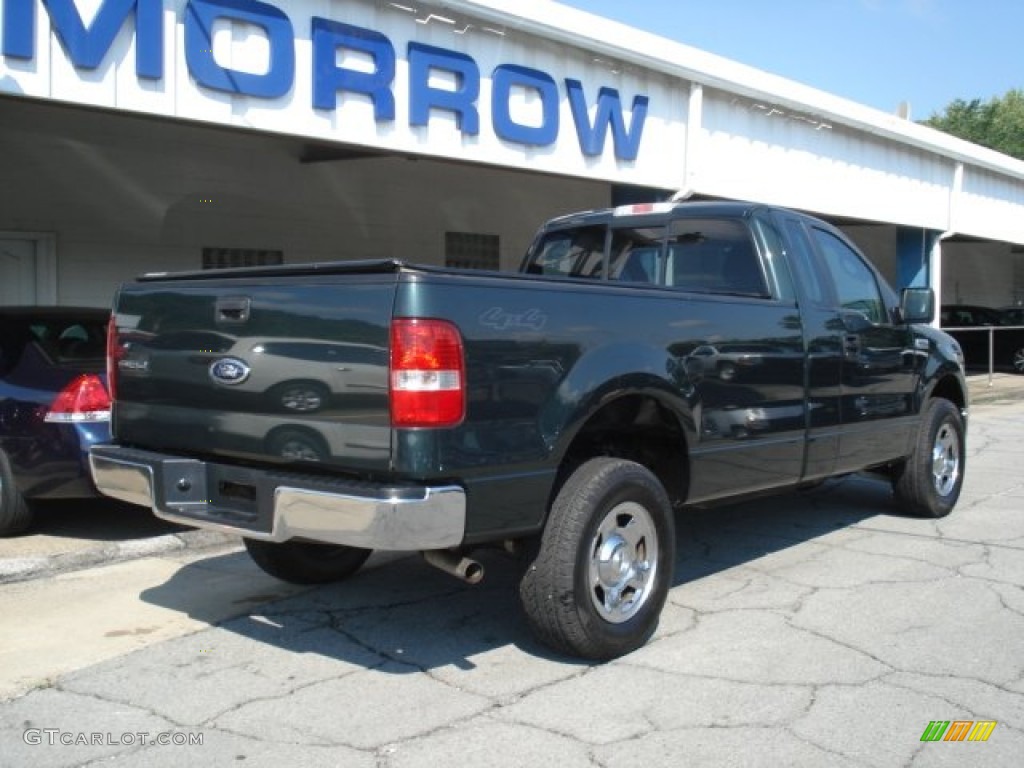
928,484
306,562
15,513
601,577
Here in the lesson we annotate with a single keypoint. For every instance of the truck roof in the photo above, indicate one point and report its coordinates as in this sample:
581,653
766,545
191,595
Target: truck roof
672,209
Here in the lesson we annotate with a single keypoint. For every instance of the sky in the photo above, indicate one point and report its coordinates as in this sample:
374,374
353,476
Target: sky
875,52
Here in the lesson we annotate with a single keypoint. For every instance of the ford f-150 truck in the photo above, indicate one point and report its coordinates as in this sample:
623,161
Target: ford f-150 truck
644,358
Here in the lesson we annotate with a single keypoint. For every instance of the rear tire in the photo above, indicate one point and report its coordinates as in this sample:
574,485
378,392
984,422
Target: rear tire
15,513
601,577
928,484
306,562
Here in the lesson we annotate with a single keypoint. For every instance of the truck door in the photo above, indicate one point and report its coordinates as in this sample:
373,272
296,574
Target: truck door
823,349
738,339
878,362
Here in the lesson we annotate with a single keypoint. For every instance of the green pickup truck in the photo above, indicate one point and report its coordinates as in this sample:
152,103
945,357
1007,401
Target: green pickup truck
644,358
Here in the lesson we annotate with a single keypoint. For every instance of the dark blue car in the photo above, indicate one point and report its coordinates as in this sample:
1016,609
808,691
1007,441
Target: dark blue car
53,406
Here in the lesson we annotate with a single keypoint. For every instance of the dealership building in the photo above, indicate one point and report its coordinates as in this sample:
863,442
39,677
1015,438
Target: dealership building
156,135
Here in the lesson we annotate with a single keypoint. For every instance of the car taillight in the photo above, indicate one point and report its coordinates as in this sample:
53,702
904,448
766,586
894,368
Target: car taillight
428,373
114,353
83,400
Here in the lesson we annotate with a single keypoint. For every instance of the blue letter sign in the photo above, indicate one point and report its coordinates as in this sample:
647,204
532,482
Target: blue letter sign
200,16
609,113
86,46
503,80
328,79
538,125
423,97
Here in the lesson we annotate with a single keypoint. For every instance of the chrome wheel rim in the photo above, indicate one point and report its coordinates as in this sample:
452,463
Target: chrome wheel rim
623,562
945,459
1018,360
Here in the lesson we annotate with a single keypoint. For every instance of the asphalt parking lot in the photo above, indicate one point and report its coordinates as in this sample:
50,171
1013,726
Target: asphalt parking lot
73,535
820,628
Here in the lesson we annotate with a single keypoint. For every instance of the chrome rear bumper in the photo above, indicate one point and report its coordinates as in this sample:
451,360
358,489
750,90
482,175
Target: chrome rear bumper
276,505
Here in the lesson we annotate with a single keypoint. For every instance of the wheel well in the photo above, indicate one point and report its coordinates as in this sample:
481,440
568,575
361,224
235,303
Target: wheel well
949,389
637,428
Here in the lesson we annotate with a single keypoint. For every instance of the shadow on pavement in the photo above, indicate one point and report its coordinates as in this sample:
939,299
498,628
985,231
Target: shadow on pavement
396,609
401,613
96,520
714,539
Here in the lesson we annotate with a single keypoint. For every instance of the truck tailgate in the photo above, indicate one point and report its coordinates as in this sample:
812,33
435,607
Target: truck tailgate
270,365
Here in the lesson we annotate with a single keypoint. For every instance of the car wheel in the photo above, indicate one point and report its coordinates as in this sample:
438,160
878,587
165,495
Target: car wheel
15,513
300,396
602,574
1018,360
928,483
306,562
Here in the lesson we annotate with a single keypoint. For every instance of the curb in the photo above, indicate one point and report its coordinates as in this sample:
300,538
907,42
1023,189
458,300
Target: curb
980,394
15,569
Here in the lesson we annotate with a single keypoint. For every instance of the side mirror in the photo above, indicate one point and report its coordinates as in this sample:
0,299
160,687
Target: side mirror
917,305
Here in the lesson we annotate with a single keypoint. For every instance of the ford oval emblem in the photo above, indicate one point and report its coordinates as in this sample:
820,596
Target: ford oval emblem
229,371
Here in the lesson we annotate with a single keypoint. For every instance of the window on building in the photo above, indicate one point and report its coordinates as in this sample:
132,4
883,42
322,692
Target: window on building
222,258
468,250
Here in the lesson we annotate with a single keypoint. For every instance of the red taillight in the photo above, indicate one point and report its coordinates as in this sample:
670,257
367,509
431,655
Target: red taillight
114,353
428,374
84,399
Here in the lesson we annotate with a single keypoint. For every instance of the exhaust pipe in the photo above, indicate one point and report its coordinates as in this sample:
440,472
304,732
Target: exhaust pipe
470,571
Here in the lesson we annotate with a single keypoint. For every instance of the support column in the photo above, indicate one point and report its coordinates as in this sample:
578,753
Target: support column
694,132
914,248
919,262
935,262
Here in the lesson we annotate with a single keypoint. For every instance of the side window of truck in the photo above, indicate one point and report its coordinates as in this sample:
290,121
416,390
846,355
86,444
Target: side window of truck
854,281
779,275
802,258
713,256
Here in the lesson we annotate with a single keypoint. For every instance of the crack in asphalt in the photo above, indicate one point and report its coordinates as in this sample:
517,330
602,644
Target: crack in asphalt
908,685
833,753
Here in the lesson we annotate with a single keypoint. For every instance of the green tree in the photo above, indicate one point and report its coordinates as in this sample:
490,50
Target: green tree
997,123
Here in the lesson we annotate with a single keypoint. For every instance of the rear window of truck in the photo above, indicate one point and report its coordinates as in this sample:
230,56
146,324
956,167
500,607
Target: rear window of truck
577,252
697,255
